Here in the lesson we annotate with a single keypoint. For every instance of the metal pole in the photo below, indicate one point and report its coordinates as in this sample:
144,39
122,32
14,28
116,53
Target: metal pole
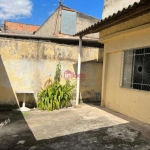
79,70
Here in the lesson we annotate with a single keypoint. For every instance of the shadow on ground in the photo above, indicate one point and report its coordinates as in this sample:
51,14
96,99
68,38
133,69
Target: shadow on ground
14,131
13,126
100,139
70,129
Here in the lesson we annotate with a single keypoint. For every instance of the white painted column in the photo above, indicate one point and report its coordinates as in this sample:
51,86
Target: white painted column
79,71
24,100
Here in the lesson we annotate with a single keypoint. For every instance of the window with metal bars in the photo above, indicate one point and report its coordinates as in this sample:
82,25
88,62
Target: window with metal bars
136,69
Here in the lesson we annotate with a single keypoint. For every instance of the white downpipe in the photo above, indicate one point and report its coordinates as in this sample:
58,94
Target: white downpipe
79,71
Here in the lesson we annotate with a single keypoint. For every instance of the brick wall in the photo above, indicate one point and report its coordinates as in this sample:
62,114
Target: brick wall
19,28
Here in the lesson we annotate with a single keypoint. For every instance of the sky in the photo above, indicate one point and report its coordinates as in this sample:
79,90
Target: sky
38,11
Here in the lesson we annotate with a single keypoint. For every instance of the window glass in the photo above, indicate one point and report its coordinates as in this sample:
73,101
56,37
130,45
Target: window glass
68,22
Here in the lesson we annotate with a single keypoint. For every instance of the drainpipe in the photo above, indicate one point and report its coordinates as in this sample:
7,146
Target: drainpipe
79,70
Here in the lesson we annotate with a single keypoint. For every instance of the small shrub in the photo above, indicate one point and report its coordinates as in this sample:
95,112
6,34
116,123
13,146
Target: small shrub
55,95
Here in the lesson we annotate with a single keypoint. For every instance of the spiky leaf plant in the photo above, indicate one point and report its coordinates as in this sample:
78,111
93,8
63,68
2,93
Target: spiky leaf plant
55,96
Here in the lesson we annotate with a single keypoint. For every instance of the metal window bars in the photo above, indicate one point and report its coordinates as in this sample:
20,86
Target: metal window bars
136,69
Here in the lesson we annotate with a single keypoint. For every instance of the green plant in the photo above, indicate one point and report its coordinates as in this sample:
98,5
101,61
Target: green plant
55,96
57,76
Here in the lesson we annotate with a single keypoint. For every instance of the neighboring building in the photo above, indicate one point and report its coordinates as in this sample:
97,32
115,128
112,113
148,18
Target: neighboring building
126,66
113,6
65,22
18,28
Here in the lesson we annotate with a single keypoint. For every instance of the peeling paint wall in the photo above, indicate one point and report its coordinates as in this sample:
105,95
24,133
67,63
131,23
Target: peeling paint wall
26,64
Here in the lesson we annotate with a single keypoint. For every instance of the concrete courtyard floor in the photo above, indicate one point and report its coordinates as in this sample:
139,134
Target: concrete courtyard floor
88,127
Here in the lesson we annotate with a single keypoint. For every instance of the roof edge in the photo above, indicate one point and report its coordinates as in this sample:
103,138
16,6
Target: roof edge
43,37
4,21
118,17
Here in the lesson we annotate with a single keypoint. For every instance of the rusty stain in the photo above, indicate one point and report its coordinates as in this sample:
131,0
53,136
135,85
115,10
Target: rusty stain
28,63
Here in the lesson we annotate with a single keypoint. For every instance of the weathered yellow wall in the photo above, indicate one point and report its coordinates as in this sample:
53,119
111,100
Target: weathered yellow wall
26,64
131,102
6,93
121,28
92,84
